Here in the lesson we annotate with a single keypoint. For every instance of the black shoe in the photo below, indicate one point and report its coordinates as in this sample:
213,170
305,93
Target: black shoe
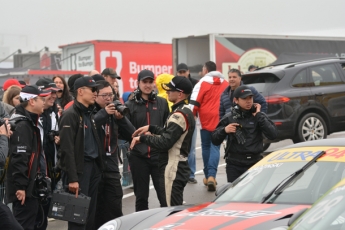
192,181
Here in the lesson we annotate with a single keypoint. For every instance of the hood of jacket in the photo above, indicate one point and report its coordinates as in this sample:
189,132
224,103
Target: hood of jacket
213,77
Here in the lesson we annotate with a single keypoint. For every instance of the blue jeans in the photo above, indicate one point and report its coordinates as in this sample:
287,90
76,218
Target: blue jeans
191,156
210,154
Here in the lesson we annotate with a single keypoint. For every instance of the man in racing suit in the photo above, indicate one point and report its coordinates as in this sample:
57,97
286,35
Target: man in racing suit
244,126
174,141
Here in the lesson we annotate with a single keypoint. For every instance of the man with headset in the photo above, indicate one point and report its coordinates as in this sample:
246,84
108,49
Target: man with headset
145,109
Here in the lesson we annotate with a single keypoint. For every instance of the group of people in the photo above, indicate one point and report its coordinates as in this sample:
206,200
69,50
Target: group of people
69,133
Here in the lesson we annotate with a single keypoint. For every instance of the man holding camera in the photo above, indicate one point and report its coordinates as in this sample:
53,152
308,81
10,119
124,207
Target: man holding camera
110,123
145,109
173,140
25,156
244,126
80,147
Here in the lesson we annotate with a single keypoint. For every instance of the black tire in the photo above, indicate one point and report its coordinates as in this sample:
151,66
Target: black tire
266,146
311,127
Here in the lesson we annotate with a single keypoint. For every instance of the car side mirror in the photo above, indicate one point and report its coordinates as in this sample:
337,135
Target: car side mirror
296,216
221,189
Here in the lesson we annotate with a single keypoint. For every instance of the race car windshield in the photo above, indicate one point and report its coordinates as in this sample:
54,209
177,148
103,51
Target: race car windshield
257,182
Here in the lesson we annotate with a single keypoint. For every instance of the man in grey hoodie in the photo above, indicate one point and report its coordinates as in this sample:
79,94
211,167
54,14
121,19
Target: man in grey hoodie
204,103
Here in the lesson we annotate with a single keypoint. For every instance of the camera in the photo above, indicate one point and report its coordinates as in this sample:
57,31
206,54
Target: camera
10,122
52,134
121,108
42,187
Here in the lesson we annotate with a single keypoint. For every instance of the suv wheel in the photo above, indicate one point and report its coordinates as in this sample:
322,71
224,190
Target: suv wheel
311,127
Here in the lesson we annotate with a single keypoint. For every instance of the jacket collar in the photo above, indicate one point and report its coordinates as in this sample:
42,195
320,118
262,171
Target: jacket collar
175,106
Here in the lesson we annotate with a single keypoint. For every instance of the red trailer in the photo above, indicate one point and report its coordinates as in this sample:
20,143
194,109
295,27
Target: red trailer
127,58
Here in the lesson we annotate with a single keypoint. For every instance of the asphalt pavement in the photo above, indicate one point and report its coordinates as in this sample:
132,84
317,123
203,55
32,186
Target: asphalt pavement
194,193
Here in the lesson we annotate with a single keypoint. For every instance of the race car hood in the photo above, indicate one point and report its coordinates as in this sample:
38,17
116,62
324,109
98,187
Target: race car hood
212,216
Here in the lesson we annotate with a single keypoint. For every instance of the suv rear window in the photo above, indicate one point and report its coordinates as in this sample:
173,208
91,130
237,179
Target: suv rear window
260,81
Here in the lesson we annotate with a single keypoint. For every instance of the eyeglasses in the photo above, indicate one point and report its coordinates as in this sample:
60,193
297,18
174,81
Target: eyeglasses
93,89
105,96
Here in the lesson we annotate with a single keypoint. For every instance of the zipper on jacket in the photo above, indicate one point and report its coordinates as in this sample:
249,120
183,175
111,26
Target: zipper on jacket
148,122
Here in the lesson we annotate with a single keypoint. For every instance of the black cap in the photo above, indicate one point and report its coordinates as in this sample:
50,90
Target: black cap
98,77
182,66
145,74
32,91
47,84
72,79
252,66
243,91
180,84
22,83
85,81
110,72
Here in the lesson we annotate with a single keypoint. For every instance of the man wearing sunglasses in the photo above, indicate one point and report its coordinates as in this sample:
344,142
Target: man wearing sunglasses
182,70
110,124
81,158
173,140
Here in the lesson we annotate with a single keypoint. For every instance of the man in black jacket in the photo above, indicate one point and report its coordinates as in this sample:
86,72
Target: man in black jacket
145,109
110,123
174,141
80,147
25,156
182,70
244,126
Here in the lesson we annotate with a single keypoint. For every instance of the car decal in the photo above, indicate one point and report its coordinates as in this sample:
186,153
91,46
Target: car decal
221,215
302,154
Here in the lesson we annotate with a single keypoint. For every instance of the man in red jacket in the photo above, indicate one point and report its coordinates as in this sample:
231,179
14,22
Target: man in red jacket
204,102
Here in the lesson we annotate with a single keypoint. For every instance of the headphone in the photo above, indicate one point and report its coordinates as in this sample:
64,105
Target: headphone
138,99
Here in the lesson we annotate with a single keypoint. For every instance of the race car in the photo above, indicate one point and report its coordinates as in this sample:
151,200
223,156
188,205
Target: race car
327,213
265,197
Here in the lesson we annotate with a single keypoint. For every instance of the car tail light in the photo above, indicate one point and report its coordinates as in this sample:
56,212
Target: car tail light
276,99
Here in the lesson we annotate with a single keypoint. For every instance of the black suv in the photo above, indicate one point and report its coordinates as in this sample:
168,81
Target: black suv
306,100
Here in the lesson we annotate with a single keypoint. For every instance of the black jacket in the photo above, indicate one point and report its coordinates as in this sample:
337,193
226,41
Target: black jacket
71,127
176,136
252,129
25,152
193,81
147,113
109,128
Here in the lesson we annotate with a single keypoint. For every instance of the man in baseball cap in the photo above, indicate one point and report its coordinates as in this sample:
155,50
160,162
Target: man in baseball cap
112,77
81,149
180,124
47,84
25,163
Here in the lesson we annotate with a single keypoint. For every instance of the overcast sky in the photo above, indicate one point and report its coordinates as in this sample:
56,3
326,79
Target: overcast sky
33,24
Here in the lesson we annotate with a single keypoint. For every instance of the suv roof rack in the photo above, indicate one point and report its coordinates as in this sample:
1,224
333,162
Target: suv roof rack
292,64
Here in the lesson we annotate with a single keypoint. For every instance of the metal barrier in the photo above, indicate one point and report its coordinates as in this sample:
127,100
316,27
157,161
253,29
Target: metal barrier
126,172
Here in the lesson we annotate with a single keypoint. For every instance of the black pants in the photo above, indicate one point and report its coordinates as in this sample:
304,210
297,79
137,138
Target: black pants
26,214
174,193
7,220
141,169
88,183
42,215
234,171
109,200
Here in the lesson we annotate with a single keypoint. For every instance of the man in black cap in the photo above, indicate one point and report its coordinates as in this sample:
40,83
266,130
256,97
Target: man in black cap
25,157
173,140
182,70
243,126
80,147
145,109
48,125
111,76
